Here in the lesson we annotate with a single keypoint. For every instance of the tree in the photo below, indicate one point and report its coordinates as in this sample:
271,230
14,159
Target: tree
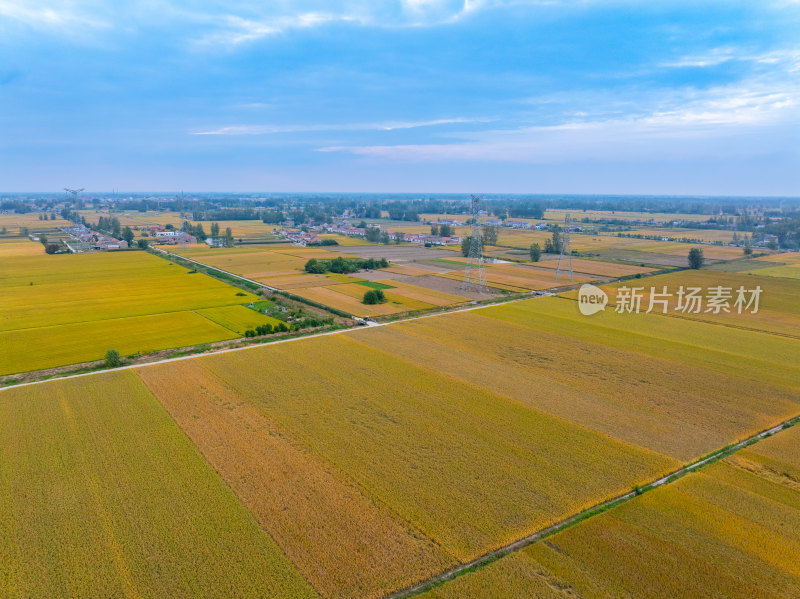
772,244
142,243
3,231
43,239
696,258
373,234
315,266
553,245
384,239
748,247
51,248
24,231
228,238
374,296
112,359
435,230
465,245
127,235
489,235
362,224
446,230
536,252
214,229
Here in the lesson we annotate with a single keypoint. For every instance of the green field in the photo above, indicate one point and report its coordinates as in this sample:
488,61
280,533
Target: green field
66,309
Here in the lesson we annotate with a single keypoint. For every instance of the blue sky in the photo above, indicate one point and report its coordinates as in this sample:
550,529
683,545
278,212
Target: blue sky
580,96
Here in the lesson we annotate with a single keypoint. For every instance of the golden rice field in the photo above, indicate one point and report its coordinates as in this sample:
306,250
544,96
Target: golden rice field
356,464
102,495
13,222
778,306
43,347
63,309
237,318
728,531
677,387
558,214
346,544
432,449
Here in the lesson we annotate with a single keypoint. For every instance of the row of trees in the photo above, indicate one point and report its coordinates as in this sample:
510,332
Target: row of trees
443,230
344,265
267,329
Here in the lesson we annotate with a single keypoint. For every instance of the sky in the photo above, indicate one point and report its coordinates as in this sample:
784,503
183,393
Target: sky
695,97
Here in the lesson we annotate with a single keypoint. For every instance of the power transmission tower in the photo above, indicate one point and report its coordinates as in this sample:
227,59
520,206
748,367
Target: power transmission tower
475,272
566,249
74,192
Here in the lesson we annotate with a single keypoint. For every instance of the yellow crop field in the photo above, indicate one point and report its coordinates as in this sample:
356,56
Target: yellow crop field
595,267
722,532
678,387
345,544
558,214
13,222
237,318
423,294
62,309
778,307
47,347
102,495
341,301
12,248
432,449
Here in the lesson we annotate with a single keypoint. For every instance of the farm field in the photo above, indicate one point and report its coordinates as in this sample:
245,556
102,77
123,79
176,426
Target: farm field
389,424
576,215
62,309
43,347
13,222
102,495
728,530
677,387
237,318
281,266
778,309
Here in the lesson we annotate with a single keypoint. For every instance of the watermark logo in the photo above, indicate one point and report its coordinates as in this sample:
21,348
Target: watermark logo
591,299
686,300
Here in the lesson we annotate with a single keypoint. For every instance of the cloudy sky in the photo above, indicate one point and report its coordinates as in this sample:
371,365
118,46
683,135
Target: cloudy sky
537,96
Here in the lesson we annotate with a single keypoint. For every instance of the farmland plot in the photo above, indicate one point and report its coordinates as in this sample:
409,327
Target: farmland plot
722,532
102,495
64,309
433,449
346,544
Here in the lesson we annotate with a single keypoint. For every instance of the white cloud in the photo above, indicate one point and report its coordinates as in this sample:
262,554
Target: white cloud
721,121
48,15
383,126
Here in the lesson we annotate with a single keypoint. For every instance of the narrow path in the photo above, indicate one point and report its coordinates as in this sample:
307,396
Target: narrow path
596,509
